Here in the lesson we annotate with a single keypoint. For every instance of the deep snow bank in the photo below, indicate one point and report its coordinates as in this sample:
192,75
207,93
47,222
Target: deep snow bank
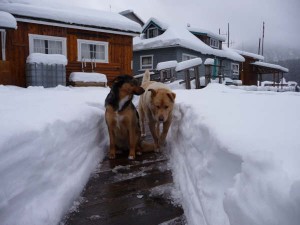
235,156
51,140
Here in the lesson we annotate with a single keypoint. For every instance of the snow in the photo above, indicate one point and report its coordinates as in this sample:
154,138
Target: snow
49,59
159,23
7,20
209,61
166,65
249,54
272,66
88,77
207,32
72,15
176,35
234,154
50,142
188,64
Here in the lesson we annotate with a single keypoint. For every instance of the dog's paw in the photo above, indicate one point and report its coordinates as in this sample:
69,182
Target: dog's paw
131,157
143,135
139,153
112,156
157,150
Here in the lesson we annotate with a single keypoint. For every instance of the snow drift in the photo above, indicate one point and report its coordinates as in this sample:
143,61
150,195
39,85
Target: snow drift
51,141
234,153
235,156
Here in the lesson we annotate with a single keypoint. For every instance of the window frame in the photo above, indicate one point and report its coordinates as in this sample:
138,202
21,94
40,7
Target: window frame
214,43
141,62
32,37
84,41
155,32
233,70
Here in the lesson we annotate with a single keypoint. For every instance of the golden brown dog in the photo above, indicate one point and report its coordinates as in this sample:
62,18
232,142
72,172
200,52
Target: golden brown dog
156,105
122,118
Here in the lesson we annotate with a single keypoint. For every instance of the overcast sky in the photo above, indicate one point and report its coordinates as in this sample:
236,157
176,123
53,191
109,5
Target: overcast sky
281,17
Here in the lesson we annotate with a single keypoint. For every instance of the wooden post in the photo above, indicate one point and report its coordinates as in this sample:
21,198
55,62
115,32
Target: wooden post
161,73
259,79
197,77
187,79
172,74
207,74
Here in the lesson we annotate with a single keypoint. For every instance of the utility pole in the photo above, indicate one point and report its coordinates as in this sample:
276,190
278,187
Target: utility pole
263,37
228,37
259,46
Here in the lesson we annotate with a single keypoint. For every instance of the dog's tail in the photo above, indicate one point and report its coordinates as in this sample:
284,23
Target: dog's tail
146,76
148,147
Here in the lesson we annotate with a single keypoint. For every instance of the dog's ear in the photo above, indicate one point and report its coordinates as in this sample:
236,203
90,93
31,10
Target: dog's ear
138,90
172,96
153,92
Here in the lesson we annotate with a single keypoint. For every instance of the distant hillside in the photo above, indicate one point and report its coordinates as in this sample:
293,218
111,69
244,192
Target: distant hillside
294,69
274,53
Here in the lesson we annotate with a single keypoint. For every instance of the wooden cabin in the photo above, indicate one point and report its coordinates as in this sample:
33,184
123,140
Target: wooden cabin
91,40
253,69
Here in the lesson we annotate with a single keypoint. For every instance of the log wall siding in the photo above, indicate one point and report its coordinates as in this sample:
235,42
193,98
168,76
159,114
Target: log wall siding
17,51
247,74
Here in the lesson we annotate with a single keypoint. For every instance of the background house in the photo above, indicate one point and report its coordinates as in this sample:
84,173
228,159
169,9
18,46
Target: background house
254,70
161,42
102,40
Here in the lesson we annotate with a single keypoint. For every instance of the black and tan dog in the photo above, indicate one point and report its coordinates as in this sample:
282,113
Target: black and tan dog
122,118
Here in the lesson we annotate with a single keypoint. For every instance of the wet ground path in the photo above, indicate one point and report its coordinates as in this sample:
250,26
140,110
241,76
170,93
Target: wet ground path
125,192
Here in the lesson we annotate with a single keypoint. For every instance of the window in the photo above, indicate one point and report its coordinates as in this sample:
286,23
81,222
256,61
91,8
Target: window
214,43
235,68
47,44
187,57
96,51
2,44
152,32
146,62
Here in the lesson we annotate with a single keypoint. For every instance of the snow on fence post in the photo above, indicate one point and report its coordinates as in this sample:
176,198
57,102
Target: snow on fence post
186,66
166,70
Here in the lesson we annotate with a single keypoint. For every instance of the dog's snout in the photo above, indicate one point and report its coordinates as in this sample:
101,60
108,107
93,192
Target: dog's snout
161,119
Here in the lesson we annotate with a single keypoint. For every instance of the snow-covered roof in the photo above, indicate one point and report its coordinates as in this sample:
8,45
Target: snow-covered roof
48,59
88,77
128,11
196,30
7,20
249,54
229,54
176,35
159,23
74,16
188,64
272,66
